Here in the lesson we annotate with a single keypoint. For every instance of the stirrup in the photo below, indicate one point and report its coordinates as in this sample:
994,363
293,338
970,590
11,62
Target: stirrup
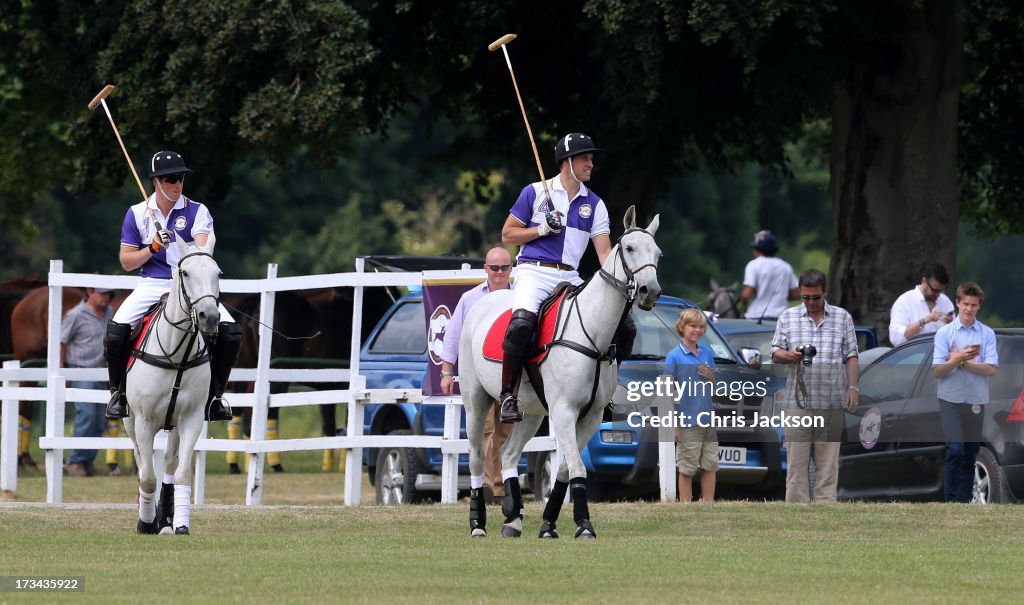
117,407
510,410
219,410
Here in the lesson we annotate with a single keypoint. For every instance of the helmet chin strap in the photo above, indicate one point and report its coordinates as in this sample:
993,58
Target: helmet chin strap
573,172
160,188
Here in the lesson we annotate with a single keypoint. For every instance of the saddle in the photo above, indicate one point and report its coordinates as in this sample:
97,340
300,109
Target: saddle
141,330
549,314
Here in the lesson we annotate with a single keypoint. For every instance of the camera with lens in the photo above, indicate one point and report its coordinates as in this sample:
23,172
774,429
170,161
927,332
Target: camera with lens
809,351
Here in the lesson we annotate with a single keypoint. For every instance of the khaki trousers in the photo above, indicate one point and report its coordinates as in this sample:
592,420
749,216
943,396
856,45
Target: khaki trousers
821,442
495,435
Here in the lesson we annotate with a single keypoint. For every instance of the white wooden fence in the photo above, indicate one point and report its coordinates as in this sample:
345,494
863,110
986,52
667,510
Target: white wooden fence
56,393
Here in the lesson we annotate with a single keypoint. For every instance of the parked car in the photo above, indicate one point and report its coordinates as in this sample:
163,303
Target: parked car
893,448
620,459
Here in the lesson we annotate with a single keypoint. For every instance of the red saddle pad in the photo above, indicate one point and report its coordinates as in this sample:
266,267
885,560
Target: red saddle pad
545,332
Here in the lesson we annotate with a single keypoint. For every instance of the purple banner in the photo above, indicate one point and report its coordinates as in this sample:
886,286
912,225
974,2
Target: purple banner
440,297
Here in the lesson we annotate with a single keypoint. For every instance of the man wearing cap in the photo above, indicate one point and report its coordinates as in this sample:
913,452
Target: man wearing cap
81,346
552,233
769,282
146,236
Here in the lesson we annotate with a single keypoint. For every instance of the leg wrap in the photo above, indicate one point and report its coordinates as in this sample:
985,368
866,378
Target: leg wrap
512,503
477,510
273,458
165,511
555,499
234,432
578,488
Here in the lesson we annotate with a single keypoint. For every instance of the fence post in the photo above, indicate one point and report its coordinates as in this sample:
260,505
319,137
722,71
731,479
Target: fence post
55,386
450,460
354,456
261,390
9,437
666,451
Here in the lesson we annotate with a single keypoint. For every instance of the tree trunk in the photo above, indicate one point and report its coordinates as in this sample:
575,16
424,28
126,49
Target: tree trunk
893,163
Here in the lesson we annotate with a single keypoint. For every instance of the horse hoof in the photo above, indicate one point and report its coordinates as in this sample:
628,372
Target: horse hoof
278,468
548,531
507,531
585,531
234,469
146,528
478,533
181,531
166,530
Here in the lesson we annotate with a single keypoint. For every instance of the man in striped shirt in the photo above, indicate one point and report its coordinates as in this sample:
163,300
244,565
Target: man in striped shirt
819,342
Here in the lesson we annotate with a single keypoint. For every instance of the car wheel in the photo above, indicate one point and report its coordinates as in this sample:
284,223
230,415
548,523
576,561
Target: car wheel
989,480
542,476
396,472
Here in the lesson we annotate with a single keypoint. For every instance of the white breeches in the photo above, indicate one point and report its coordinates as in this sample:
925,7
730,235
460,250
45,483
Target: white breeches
148,292
533,284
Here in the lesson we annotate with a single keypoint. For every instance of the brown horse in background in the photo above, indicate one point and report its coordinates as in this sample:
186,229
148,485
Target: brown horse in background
11,292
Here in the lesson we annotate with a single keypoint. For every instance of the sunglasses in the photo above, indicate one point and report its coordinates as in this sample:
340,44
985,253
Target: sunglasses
815,297
171,179
497,268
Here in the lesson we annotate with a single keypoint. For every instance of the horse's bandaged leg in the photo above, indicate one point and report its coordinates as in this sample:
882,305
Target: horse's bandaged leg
328,463
24,434
477,513
580,510
512,503
555,499
182,500
234,432
147,506
273,458
476,481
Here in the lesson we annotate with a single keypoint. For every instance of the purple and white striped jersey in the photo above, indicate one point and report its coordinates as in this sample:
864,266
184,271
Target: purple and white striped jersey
584,217
187,219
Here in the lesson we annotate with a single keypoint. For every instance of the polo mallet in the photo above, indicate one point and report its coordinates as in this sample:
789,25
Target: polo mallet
549,216
100,99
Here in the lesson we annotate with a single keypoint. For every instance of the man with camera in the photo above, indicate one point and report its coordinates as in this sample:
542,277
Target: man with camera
819,342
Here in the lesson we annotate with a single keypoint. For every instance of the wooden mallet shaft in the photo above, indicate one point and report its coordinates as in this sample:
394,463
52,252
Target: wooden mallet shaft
99,99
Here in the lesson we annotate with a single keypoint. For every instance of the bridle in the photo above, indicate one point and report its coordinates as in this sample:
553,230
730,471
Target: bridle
190,325
732,299
627,288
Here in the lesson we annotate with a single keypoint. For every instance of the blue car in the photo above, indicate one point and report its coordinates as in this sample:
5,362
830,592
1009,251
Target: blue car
621,460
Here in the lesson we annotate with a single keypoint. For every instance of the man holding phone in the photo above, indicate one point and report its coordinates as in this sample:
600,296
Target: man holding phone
923,309
964,358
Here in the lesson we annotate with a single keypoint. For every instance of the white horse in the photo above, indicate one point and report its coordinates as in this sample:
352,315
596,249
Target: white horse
174,358
572,380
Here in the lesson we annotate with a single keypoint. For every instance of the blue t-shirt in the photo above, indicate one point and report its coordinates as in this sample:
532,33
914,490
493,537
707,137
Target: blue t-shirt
696,391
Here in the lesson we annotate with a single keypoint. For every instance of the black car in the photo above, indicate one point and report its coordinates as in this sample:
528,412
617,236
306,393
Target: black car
893,447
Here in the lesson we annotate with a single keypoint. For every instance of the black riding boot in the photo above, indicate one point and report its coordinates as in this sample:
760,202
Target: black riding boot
223,353
624,337
115,350
517,343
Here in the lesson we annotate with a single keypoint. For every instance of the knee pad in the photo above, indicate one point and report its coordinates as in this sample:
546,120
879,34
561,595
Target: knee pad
520,332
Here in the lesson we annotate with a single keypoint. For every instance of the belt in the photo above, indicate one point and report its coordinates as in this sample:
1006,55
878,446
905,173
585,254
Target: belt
558,266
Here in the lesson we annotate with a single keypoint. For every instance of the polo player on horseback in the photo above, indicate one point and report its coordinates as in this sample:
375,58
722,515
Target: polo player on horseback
553,232
146,236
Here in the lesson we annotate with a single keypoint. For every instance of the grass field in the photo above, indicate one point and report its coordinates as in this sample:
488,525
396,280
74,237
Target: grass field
646,552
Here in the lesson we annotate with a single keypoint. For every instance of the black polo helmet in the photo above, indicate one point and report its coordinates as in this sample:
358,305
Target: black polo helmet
764,242
573,144
167,162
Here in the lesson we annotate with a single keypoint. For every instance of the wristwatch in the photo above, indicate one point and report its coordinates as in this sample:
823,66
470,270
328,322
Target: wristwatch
921,322
445,373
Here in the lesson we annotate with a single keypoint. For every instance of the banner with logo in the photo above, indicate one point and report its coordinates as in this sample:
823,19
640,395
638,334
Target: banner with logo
440,297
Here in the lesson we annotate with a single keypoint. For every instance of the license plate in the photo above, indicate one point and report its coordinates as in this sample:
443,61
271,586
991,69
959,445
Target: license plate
732,455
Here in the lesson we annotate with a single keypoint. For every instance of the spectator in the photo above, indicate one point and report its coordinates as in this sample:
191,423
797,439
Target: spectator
964,359
769,282
818,340
923,309
693,366
497,266
81,346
